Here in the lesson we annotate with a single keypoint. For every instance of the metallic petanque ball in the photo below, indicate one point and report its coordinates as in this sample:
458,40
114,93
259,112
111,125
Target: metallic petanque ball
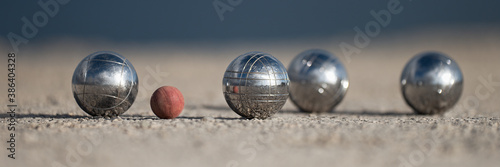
255,85
318,81
105,84
431,83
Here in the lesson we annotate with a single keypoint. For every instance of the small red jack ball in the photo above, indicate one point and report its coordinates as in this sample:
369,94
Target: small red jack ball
167,102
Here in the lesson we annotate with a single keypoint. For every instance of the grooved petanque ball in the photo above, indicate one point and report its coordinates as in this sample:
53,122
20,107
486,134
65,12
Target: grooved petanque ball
167,102
255,85
105,84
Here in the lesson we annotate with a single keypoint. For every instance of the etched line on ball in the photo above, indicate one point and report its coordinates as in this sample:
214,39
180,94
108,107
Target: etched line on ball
109,61
241,75
270,78
246,79
251,72
121,80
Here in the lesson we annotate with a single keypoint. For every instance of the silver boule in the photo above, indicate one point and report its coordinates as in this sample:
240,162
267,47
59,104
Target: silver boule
255,85
431,83
105,84
318,81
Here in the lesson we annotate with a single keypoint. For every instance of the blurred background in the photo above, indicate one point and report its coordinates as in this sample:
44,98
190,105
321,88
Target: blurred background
177,20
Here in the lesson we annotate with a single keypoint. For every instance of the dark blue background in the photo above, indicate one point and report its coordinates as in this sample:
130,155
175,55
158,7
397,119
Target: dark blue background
160,20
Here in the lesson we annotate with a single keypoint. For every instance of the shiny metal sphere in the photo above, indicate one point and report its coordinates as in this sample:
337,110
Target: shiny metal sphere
431,83
318,81
255,85
105,84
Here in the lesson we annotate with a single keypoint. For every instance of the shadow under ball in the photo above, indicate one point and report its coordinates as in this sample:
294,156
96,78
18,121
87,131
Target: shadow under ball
105,84
318,81
255,85
431,83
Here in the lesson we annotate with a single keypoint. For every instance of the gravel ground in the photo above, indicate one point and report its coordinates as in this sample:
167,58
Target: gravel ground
371,127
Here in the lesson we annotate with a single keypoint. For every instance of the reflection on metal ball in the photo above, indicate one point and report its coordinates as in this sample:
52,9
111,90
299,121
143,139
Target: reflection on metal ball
431,83
105,84
255,85
318,81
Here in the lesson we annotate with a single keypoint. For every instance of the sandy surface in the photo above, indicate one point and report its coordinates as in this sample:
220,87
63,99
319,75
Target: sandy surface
371,127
